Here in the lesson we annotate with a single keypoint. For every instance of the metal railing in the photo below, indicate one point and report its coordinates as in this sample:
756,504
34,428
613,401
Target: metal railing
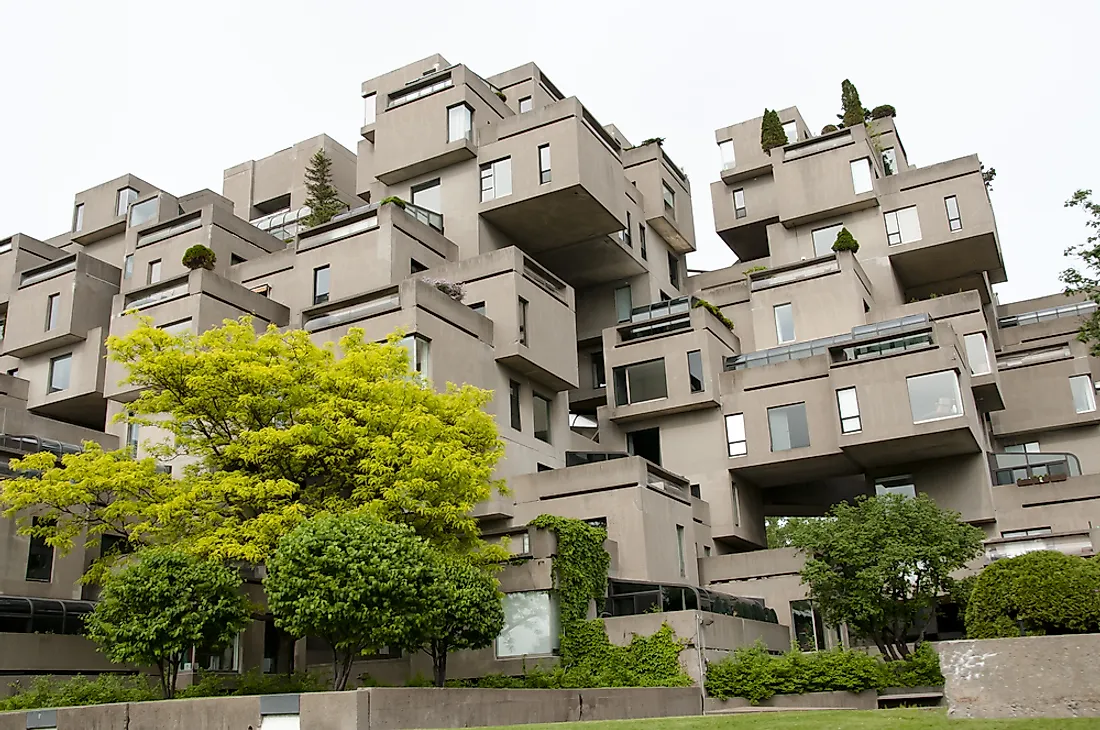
1045,315
13,443
580,458
1008,468
425,216
161,295
631,599
48,271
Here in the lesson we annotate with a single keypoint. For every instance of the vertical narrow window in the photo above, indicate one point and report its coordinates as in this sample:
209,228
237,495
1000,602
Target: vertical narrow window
624,234
128,266
78,217
542,417
153,272
861,175
599,372
735,498
954,220
735,434
320,284
418,348
133,437
695,371
522,321
525,105
788,426
902,226
739,203
460,122
890,161
40,555
623,303
791,130
60,369
496,179
428,196
674,270
544,164
729,158
370,108
1084,398
680,550
123,198
53,310
513,405
848,406
669,197
641,240
977,353
784,323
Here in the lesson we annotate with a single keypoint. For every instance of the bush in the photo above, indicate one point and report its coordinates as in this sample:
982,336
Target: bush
771,131
713,310
659,140
79,690
253,682
829,129
452,289
845,242
1035,594
393,199
199,257
920,669
882,111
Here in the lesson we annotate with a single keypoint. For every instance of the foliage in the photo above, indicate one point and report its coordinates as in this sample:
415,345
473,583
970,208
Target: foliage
853,112
580,570
79,690
880,563
200,257
829,129
282,430
1086,281
500,93
845,241
960,590
659,140
452,289
321,196
713,310
771,131
754,270
393,199
989,175
253,682
882,111
919,669
156,609
358,583
779,530
1038,593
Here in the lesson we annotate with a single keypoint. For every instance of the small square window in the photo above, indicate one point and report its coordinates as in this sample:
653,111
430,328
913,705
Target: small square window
525,105
788,426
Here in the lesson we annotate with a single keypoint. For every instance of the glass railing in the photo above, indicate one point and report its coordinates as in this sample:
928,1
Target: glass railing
644,313
350,313
307,239
1045,315
34,444
1009,468
630,599
418,93
48,272
1034,357
766,280
161,234
425,216
162,295
580,458
886,347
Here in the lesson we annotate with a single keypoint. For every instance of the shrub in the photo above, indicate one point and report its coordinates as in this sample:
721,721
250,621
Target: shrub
882,111
853,112
659,140
79,690
452,289
919,669
754,269
393,199
501,95
199,257
1043,592
771,131
750,672
713,310
829,129
845,242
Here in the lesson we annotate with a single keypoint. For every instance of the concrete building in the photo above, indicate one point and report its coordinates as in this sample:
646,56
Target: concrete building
677,410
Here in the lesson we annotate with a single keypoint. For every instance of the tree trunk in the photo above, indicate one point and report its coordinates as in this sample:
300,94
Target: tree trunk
337,685
163,680
439,663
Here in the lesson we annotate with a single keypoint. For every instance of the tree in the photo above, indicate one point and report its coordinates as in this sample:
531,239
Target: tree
771,131
357,582
853,113
155,610
845,241
200,257
280,430
880,563
1086,281
469,615
779,530
321,196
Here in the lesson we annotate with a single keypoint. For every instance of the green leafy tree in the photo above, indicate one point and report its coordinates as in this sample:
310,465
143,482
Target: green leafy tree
200,257
1086,280
779,530
880,564
155,610
771,131
321,196
358,583
845,241
853,113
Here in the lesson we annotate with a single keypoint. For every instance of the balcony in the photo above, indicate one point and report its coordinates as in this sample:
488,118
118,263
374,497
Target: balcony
1038,394
21,252
102,213
666,194
1025,469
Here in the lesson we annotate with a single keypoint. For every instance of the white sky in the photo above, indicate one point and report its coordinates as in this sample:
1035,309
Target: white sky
176,92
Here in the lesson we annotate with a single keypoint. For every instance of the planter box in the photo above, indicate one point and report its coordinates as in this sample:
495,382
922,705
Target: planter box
866,700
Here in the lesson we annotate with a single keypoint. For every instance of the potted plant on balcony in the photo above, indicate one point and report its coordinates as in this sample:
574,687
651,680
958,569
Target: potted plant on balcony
845,241
200,257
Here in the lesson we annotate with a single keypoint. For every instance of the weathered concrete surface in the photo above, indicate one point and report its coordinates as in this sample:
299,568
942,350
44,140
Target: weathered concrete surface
334,710
630,703
13,721
214,713
1034,676
395,708
97,717
866,700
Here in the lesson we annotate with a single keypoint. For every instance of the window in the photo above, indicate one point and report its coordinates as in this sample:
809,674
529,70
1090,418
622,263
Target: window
674,270
144,211
729,158
623,303
525,105
234,259
680,550
496,179
645,443
735,434
530,624
1029,447
954,220
60,368
419,358
890,161
320,285
1032,532
133,437
809,630
1084,399
669,197
640,382
934,396
824,238
78,217
544,164
523,321
53,310
264,290
178,328
478,307
542,417
848,406
624,234
513,405
902,485
695,371
599,373
3,327
226,660
788,427
40,556
861,175
739,203
370,109
128,266
641,240
415,267
791,130
123,198
977,354
460,122
902,226
428,195
153,272
784,323
695,491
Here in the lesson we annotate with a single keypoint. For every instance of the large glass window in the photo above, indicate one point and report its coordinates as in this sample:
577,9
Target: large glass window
739,203
144,211
902,485
78,217
544,164
53,310
788,426
320,284
954,219
902,226
513,405
496,179
669,197
530,624
977,354
60,370
824,238
226,660
934,396
370,109
695,371
124,197
640,382
848,407
784,323
429,196
890,161
729,157
1028,447
645,443
1084,395
791,130
623,303
542,417
809,629
735,434
460,122
861,175
40,556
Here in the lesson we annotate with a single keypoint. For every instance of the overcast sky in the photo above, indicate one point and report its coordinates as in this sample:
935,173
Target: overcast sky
177,92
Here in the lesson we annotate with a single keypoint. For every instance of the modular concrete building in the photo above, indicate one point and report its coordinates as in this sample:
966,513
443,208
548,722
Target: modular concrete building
677,410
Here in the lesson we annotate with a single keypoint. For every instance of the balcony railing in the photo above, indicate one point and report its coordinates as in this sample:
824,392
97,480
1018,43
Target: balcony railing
1034,357
351,313
631,599
1010,468
161,295
160,234
581,458
33,445
1045,315
658,318
425,216
405,97
282,224
49,271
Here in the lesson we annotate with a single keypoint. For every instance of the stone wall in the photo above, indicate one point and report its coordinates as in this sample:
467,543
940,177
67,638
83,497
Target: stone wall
1034,676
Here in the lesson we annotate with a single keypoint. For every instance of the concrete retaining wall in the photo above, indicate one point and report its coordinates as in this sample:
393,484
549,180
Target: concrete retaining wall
1035,676
866,700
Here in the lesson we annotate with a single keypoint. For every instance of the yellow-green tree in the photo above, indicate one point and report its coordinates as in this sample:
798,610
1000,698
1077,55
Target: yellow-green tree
280,429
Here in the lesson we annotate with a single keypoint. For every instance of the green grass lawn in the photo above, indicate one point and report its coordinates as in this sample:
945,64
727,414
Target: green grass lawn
836,720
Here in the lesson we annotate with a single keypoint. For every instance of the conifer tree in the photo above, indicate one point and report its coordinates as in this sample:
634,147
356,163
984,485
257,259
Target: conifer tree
771,131
854,113
845,241
321,196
